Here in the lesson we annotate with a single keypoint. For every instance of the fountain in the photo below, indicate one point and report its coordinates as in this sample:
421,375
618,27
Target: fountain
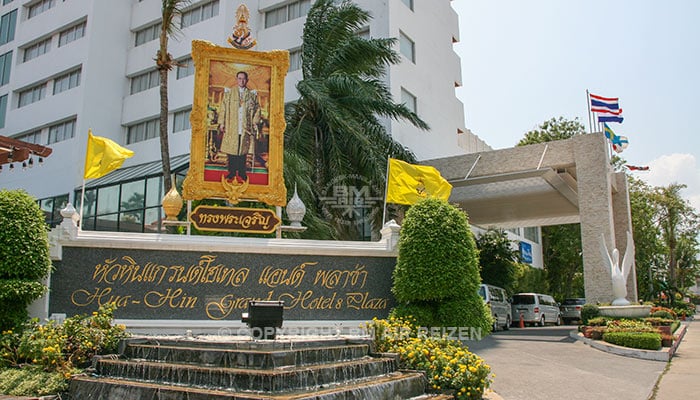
241,368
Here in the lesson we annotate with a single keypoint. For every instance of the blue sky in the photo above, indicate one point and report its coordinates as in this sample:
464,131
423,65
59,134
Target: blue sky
525,62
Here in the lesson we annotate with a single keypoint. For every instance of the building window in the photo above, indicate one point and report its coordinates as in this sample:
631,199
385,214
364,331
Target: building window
67,81
532,234
39,7
5,2
5,67
185,68
3,110
125,207
145,81
142,131
62,131
181,120
147,34
408,3
8,22
363,33
52,206
32,95
30,137
294,60
73,33
200,13
37,49
407,47
287,12
409,100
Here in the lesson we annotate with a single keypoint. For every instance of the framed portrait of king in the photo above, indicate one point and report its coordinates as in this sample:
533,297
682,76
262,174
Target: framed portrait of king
237,124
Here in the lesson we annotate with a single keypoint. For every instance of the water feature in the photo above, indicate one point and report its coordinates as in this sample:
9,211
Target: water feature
333,369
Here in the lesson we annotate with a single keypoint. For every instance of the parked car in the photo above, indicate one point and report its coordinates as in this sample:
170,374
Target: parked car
536,308
571,309
497,299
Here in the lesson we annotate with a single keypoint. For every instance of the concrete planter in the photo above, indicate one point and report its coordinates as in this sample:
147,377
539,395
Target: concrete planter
631,311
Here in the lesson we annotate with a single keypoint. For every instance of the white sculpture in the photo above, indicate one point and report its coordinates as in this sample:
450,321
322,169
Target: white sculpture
619,274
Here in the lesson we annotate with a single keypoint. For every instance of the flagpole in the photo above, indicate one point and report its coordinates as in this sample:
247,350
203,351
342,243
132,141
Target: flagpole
588,105
386,189
82,202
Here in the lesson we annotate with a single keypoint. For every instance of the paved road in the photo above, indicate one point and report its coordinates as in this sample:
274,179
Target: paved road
546,364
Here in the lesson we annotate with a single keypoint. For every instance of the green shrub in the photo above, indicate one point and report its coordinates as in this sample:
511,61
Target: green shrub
422,311
589,311
32,381
635,340
662,314
598,321
663,310
437,268
60,347
24,256
630,325
658,321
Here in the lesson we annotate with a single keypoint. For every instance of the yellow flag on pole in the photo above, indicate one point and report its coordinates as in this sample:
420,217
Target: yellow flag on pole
103,156
408,183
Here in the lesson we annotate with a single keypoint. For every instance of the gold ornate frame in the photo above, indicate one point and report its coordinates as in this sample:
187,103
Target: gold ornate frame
267,71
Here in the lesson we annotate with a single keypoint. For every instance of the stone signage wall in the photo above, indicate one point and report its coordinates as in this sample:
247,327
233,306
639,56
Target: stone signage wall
216,286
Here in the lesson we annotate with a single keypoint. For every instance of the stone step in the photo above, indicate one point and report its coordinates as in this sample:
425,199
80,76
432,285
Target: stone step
246,343
236,358
265,381
394,386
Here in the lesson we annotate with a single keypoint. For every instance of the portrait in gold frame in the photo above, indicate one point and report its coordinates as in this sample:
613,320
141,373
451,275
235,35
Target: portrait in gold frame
211,174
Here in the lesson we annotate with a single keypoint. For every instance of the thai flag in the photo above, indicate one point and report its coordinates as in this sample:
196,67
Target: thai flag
605,104
606,108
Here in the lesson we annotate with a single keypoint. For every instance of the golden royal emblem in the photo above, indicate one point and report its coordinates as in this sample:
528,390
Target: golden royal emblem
241,37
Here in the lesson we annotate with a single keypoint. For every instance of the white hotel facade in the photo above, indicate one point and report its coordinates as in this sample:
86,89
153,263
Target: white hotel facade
67,66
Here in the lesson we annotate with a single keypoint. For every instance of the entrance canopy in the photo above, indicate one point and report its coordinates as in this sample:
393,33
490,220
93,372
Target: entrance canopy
553,183
533,185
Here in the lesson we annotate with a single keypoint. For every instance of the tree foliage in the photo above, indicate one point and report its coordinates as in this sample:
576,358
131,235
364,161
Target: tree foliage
336,126
553,129
24,256
436,278
498,259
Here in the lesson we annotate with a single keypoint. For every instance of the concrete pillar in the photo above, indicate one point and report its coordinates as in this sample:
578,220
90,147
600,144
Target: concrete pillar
594,176
622,215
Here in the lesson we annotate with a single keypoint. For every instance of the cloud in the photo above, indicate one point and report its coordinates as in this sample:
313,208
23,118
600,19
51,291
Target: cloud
676,168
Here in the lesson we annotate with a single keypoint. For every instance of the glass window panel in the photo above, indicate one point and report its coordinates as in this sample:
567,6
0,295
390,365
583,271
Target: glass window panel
8,23
131,221
5,68
132,196
106,223
152,219
409,100
407,47
89,203
3,110
108,200
154,192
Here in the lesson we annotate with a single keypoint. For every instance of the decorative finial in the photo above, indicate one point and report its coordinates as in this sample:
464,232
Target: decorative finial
241,37
295,209
172,203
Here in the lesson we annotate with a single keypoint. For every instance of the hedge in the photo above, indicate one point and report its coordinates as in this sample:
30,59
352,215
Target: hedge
635,340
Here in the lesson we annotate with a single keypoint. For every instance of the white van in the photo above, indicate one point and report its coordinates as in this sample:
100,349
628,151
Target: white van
497,299
536,308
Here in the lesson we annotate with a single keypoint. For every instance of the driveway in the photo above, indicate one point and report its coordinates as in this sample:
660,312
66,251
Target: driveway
546,364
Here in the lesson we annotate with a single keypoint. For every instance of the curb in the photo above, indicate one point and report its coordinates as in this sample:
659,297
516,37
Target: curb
654,355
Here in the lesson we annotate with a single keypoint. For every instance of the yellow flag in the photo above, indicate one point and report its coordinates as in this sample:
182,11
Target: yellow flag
409,183
103,156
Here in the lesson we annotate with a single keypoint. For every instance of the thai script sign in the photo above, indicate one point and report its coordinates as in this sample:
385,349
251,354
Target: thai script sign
157,284
232,219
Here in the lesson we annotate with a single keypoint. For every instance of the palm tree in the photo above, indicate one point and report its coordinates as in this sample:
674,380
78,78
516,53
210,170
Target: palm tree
336,127
165,63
